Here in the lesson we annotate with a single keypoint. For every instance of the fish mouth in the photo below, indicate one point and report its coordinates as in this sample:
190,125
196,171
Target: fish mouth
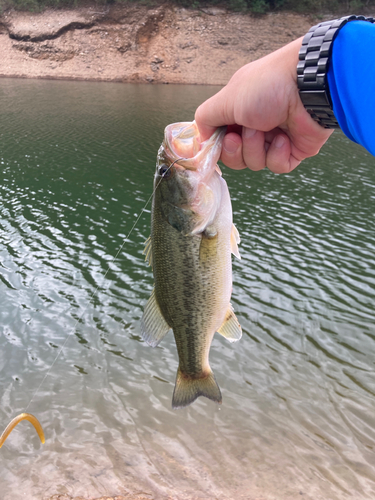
184,148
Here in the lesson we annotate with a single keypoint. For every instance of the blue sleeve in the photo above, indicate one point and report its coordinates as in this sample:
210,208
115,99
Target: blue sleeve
351,80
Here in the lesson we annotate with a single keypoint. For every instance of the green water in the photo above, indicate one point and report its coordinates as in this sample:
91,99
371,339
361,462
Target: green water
298,413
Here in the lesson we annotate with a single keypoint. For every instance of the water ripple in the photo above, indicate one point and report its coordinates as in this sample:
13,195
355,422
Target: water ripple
298,389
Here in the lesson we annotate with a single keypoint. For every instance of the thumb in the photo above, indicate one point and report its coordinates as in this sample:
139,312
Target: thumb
212,114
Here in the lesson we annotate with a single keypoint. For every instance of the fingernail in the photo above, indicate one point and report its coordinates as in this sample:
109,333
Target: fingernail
248,132
230,146
279,141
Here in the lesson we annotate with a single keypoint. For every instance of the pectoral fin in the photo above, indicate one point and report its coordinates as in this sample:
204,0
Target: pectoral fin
230,329
234,240
153,325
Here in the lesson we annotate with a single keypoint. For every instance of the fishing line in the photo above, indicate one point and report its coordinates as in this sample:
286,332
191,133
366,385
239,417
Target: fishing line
97,288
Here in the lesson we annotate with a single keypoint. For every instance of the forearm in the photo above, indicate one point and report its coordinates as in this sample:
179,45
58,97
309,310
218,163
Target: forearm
351,78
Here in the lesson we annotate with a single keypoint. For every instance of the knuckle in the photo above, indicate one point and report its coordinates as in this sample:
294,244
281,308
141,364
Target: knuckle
255,162
254,153
256,168
198,113
278,165
234,163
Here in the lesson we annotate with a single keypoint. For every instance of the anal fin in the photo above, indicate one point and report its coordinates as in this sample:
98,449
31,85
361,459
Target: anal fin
153,325
230,329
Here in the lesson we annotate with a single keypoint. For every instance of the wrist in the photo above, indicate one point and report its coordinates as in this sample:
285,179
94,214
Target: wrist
312,69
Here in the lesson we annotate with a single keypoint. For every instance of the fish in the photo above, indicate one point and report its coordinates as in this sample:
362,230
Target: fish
192,239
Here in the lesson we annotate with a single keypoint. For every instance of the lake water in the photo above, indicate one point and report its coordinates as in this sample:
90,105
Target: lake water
298,413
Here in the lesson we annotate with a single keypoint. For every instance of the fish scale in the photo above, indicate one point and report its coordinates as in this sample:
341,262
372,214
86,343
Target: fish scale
186,293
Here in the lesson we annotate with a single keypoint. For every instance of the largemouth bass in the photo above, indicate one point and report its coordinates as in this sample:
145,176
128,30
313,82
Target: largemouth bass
192,238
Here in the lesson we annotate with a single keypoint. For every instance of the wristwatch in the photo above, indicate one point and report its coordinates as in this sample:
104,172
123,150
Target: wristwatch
312,69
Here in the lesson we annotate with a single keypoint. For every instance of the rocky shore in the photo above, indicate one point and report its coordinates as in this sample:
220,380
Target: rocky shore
121,497
130,43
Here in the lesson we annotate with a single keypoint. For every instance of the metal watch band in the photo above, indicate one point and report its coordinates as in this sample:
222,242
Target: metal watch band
312,69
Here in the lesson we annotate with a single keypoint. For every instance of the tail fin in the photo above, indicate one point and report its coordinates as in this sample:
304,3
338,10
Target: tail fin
188,390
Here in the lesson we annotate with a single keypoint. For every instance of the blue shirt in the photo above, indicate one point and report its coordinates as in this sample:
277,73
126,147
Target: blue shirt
351,80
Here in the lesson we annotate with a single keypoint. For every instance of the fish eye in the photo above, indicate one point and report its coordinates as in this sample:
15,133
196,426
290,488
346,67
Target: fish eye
164,171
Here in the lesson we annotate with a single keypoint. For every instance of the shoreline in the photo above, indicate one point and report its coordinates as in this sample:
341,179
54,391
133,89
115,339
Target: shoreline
132,43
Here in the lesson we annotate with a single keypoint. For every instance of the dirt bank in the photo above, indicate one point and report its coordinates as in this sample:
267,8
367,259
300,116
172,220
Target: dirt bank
121,497
131,43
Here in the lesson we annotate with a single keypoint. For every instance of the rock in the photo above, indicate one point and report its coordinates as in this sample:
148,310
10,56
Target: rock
214,11
48,25
157,60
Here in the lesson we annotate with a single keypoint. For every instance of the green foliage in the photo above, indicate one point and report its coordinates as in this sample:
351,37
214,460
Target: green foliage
356,5
238,5
340,7
258,7
37,5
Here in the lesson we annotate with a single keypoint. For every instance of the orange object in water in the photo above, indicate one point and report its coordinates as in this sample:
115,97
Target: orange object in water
17,420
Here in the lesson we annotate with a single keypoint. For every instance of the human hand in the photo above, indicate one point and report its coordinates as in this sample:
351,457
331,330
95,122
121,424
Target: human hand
267,122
